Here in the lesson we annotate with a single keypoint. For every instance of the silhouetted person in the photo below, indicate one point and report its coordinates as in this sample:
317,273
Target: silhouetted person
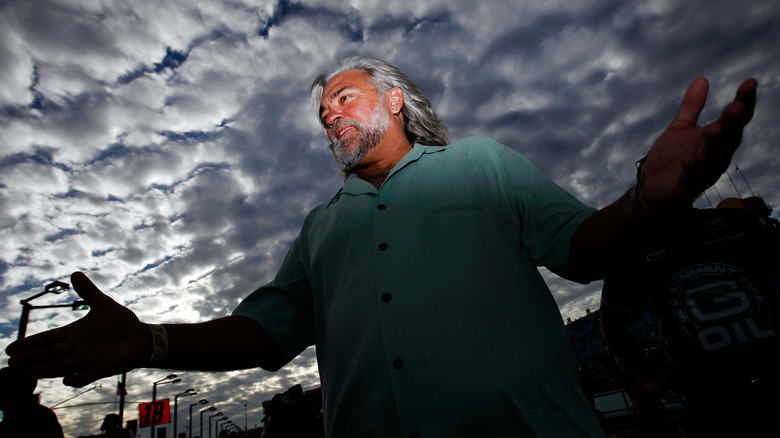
111,427
710,279
23,416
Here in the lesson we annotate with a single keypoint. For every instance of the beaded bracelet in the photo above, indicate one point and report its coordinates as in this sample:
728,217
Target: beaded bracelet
637,209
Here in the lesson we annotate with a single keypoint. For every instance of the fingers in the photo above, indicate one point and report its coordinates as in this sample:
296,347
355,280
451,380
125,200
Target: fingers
38,349
76,372
739,112
89,292
48,354
52,354
747,94
726,132
36,341
77,380
692,104
736,115
65,366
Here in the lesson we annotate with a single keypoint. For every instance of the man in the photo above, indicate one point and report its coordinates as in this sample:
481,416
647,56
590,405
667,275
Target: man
22,414
710,280
417,282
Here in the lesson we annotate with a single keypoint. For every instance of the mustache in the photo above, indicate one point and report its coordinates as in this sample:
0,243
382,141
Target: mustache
338,124
345,122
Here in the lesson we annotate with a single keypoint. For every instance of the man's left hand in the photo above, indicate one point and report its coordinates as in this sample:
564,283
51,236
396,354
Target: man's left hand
687,158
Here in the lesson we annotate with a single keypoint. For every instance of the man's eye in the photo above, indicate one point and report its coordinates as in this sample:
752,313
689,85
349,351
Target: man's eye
344,98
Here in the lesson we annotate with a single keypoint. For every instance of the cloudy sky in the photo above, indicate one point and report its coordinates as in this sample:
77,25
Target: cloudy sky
168,148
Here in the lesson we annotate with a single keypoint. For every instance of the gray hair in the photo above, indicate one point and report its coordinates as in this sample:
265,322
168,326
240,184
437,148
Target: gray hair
421,124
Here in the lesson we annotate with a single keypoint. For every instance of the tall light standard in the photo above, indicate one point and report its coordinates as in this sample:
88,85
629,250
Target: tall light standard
57,287
218,414
170,378
186,393
202,401
201,418
216,426
244,416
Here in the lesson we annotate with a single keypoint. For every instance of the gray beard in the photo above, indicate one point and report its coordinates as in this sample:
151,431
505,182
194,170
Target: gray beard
367,137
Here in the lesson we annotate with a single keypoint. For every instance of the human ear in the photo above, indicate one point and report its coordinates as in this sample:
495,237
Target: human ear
395,98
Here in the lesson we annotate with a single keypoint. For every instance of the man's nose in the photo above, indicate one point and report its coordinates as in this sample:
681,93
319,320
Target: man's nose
332,117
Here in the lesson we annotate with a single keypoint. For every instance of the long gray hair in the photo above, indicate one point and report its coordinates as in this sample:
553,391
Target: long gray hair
420,121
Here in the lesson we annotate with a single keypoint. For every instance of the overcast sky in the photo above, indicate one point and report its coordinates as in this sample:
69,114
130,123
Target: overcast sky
168,148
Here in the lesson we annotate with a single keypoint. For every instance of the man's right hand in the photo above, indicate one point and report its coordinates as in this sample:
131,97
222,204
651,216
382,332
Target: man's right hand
110,340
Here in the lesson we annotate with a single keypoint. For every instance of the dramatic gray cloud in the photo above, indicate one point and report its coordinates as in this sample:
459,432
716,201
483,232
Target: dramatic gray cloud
168,149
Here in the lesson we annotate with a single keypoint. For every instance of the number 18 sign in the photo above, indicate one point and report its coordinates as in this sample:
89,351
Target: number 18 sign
154,413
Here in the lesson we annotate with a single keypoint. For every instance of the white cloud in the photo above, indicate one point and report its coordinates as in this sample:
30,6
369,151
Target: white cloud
180,188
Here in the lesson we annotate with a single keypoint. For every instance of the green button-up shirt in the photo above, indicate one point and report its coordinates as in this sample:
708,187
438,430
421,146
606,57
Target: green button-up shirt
425,304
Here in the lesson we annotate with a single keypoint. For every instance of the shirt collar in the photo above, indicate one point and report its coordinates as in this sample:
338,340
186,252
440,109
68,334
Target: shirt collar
356,186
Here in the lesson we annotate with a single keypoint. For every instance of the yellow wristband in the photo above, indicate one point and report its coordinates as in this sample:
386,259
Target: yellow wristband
160,346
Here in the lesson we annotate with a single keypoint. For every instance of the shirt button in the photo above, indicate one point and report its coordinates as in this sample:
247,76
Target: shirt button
381,206
382,246
398,364
386,298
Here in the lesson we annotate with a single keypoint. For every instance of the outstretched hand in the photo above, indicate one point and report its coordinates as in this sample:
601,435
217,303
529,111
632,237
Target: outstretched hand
687,159
110,340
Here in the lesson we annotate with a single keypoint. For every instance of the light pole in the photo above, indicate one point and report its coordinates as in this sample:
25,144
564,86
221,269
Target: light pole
223,426
216,425
57,287
201,418
186,393
170,378
244,416
218,414
202,401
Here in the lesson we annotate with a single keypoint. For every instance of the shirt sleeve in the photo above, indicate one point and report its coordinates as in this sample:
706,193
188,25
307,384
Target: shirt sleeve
549,214
284,306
